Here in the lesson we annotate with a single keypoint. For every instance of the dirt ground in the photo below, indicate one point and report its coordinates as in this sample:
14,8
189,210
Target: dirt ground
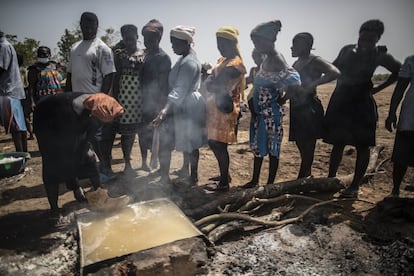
357,239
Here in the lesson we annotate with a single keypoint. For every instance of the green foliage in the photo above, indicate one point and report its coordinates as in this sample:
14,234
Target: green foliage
71,36
27,48
110,37
380,77
66,40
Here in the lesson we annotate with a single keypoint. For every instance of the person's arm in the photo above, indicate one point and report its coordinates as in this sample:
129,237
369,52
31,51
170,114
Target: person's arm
68,87
396,98
392,65
115,86
250,77
163,74
32,80
162,114
218,83
291,92
330,73
107,83
179,90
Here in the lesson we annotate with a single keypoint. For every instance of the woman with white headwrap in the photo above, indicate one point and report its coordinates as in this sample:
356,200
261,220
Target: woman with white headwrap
185,101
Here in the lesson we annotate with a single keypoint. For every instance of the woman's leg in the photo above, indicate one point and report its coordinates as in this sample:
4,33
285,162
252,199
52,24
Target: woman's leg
185,169
307,150
127,142
273,166
220,152
361,166
256,173
194,157
164,152
19,140
398,173
335,159
145,143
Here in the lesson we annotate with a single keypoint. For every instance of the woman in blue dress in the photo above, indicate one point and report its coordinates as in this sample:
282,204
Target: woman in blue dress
273,78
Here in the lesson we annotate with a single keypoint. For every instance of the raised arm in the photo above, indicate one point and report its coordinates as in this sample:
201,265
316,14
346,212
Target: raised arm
397,95
392,65
329,71
68,87
107,83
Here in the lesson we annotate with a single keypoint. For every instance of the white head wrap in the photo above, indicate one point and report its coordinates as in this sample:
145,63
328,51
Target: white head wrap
183,32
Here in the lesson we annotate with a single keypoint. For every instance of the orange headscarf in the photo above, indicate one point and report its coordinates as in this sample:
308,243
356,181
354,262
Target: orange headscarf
103,107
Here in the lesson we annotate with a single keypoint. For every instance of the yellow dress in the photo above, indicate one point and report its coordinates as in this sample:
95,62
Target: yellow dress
221,126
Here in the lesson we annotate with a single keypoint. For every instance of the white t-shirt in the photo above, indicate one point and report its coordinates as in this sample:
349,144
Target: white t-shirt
406,120
89,62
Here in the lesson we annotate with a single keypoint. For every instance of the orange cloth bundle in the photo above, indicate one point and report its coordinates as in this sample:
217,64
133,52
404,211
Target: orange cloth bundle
103,107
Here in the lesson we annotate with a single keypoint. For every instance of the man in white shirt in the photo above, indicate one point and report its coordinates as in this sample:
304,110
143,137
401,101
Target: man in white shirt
91,69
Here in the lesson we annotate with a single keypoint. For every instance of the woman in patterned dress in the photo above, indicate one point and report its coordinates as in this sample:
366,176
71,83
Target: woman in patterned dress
226,77
273,77
127,90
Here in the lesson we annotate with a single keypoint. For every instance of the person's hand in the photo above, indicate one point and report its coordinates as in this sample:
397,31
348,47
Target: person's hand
391,122
160,117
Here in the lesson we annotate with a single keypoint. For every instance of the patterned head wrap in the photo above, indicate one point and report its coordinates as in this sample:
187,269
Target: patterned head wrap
153,26
267,30
183,33
228,32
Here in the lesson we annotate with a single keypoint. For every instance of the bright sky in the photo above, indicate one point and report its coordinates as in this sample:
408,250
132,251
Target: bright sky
333,23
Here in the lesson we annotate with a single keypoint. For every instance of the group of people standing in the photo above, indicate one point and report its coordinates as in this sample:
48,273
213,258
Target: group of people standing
163,105
351,116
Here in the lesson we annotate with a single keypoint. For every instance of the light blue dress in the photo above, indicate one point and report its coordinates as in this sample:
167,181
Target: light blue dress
266,130
188,104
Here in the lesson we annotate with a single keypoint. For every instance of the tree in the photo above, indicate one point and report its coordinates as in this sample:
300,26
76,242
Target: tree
27,48
71,36
66,41
110,37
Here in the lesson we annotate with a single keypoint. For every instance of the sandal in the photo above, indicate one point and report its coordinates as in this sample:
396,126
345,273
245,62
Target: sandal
348,193
181,173
409,187
249,185
218,188
218,178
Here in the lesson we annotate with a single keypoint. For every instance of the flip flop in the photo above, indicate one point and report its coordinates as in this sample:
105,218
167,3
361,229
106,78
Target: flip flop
409,187
217,188
218,178
348,193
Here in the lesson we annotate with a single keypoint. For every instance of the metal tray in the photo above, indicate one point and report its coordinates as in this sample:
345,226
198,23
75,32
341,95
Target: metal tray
139,226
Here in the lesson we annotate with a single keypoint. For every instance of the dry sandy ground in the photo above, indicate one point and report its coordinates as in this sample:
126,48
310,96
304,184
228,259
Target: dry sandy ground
353,240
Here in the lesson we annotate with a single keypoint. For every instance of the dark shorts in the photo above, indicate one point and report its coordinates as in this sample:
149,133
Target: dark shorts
403,152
